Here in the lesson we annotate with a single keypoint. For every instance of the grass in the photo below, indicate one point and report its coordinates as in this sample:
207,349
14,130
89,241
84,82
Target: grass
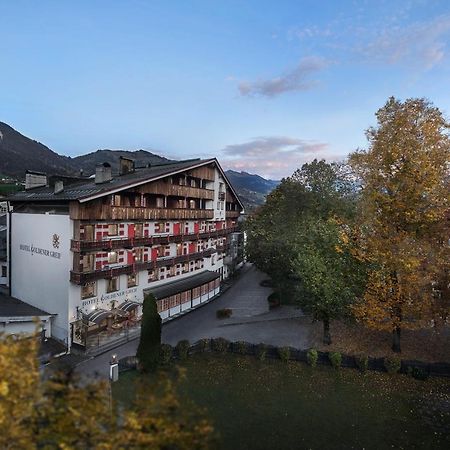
274,405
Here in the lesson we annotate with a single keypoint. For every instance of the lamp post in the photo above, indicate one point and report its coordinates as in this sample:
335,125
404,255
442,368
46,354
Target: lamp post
113,369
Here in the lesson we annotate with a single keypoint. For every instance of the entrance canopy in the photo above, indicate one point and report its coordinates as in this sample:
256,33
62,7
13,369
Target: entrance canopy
98,315
128,306
183,285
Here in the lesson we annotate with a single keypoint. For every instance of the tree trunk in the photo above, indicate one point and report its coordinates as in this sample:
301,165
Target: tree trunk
326,332
396,340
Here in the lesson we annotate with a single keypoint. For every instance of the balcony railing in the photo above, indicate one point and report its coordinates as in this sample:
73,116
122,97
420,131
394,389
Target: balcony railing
85,277
232,214
108,212
77,246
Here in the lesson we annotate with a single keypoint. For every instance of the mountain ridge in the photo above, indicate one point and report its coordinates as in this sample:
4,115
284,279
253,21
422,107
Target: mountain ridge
19,153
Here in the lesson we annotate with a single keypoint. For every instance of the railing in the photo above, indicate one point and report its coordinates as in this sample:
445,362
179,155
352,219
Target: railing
78,246
85,277
163,188
232,214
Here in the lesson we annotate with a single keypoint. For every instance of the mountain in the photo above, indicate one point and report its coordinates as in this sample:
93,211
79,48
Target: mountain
18,153
252,188
141,158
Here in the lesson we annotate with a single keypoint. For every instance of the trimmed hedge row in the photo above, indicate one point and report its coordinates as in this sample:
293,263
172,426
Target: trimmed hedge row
418,369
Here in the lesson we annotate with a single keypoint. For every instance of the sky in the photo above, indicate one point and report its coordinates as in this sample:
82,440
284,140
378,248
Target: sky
264,86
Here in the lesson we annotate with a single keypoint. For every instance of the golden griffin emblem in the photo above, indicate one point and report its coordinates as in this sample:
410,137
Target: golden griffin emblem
55,241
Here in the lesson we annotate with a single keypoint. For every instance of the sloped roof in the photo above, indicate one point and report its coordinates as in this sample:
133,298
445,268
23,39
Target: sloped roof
87,189
185,284
13,307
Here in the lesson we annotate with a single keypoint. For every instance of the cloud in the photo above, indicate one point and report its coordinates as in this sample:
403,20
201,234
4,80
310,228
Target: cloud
420,44
298,79
274,156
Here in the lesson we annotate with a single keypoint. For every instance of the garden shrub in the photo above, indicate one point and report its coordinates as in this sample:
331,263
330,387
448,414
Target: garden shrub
362,362
335,359
419,374
274,300
220,345
392,365
204,345
224,313
261,352
165,354
312,357
241,347
183,349
284,353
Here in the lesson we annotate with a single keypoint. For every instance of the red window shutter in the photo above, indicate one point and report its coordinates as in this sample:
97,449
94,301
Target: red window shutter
131,230
130,257
192,247
196,227
154,254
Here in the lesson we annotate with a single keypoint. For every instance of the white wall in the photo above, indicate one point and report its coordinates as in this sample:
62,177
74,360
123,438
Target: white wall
39,269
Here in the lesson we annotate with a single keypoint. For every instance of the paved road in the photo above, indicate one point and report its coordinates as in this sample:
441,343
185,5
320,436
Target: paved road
251,321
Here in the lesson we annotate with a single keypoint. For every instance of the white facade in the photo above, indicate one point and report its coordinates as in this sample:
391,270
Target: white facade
40,263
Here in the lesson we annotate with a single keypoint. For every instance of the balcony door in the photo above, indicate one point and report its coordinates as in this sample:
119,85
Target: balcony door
89,232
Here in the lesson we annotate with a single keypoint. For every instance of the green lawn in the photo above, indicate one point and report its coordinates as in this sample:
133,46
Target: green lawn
274,405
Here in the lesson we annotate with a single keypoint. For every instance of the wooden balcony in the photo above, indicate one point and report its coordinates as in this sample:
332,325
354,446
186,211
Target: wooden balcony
232,214
111,244
106,212
85,277
164,188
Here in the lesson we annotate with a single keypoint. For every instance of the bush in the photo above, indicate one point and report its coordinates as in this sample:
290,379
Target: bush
312,357
165,354
220,345
362,362
392,365
204,345
224,313
335,359
284,353
183,349
241,347
274,300
418,373
261,352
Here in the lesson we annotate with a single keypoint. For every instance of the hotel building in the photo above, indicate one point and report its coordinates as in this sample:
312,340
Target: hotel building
87,250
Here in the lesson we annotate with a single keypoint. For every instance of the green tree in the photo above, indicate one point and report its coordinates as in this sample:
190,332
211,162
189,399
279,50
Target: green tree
299,237
404,214
148,351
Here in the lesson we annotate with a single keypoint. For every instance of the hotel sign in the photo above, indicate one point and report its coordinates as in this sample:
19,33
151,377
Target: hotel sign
39,251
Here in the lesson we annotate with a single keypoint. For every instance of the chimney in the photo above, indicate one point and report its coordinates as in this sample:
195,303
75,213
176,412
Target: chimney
126,165
103,173
35,180
59,187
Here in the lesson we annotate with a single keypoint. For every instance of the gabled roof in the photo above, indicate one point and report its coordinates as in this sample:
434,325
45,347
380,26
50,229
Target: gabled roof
87,189
13,307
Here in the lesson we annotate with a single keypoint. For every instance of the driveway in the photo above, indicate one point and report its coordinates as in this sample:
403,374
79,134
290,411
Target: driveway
251,321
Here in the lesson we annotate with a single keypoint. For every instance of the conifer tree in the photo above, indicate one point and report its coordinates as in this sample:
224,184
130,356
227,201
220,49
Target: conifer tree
150,341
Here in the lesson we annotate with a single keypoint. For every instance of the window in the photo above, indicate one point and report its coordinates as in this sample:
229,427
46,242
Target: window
112,284
112,257
113,230
153,275
139,254
115,201
87,262
191,204
89,290
132,280
196,292
138,230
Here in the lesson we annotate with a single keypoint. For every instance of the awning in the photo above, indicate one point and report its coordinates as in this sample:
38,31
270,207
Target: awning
186,284
128,305
98,315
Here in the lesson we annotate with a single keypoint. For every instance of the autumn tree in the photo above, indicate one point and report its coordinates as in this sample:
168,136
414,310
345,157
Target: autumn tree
298,238
64,412
404,210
